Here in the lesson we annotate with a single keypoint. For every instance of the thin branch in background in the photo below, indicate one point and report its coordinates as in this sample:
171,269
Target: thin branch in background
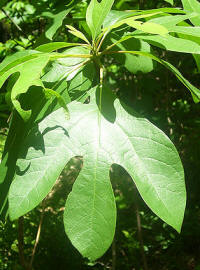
17,26
21,241
10,18
114,255
140,236
37,236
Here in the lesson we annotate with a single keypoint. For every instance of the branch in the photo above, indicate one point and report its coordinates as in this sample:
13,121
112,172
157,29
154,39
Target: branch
114,255
37,237
139,227
17,26
10,18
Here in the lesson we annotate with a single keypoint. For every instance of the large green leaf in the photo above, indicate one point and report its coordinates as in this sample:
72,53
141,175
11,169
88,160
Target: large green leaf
96,13
103,134
29,65
35,100
184,31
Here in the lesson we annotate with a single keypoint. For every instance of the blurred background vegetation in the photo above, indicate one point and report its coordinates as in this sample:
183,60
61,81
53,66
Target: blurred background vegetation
157,95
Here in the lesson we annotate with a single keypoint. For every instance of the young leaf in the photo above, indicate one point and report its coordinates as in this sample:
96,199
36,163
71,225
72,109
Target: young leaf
148,27
77,33
65,68
53,46
170,23
96,13
114,134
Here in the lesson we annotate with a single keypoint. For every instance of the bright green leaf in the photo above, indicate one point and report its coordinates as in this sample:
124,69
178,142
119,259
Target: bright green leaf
53,46
148,27
192,6
191,31
115,15
115,135
171,2
77,33
170,43
29,68
57,20
36,100
172,20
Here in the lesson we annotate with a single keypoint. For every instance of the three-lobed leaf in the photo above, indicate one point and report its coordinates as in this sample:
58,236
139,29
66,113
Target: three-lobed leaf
113,134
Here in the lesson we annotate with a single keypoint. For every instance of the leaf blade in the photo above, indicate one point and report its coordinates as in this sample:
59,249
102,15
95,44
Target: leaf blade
114,141
96,13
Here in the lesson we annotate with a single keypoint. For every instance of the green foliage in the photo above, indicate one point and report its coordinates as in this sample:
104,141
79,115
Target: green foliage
99,126
96,14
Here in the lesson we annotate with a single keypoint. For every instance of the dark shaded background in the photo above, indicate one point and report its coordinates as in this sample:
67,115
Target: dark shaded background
157,95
